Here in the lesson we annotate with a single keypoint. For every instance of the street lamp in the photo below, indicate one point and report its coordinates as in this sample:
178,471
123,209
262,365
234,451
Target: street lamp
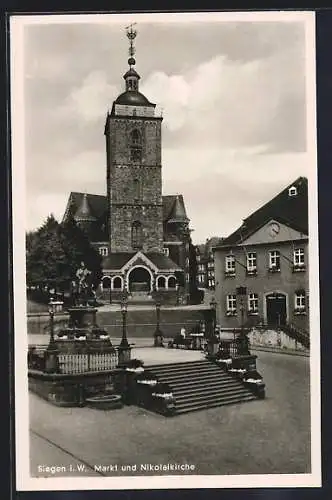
158,336
124,341
124,347
51,358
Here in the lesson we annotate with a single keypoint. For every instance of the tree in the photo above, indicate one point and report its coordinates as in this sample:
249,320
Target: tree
55,253
45,256
77,248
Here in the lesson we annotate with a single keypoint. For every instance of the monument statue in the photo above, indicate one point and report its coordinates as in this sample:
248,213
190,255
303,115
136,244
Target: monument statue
81,287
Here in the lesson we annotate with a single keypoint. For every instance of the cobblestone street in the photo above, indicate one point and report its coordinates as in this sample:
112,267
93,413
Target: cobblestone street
270,436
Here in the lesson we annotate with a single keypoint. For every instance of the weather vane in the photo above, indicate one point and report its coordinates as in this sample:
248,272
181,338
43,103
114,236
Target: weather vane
131,35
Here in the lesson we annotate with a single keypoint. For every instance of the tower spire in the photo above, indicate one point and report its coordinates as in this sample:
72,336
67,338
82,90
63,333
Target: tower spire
131,77
131,35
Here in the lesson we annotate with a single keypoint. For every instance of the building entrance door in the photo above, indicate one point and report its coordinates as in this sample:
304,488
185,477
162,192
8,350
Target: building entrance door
276,309
139,280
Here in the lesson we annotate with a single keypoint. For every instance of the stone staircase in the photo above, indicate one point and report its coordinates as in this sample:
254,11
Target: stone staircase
140,298
197,385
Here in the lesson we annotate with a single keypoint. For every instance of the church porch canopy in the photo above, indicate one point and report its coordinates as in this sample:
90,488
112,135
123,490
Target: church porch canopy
153,270
123,262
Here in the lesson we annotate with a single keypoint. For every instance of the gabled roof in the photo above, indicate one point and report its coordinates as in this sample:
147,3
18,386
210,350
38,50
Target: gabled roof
97,203
289,210
116,261
162,262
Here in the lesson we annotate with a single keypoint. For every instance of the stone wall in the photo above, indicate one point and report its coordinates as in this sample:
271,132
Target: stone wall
121,220
272,338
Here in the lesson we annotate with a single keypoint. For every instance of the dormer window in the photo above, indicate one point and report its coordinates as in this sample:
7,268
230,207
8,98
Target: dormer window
103,251
292,191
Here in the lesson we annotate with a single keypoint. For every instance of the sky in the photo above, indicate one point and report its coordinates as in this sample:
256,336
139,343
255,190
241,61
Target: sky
233,97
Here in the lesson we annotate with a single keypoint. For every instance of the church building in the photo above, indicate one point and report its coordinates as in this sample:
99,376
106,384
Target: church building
143,236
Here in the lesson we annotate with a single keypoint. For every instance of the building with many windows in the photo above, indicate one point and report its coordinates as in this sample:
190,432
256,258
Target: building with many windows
205,263
143,236
262,268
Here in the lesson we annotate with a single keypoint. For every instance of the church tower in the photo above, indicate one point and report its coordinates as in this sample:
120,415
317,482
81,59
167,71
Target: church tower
134,176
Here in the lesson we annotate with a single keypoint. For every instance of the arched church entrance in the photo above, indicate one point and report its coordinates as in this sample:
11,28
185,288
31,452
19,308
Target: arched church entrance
139,279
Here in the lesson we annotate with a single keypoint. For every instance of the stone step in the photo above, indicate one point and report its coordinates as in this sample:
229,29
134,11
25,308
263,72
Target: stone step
200,384
187,371
198,365
192,377
188,386
210,393
184,364
213,404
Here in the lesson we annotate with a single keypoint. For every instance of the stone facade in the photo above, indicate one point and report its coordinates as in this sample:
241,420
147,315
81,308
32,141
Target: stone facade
135,217
134,183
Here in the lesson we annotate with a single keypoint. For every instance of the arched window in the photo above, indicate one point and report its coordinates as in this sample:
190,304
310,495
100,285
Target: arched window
117,283
106,282
137,235
161,282
171,282
135,146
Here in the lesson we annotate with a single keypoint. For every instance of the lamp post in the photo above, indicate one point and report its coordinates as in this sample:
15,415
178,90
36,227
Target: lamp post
124,347
158,336
51,355
124,341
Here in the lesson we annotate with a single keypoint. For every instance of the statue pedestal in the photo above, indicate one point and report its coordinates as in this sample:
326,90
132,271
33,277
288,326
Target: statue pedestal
82,330
82,316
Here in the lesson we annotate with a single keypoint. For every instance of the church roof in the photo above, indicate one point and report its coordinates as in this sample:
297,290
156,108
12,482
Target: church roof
98,209
97,206
84,211
173,206
289,210
178,213
117,260
131,72
97,203
133,98
162,262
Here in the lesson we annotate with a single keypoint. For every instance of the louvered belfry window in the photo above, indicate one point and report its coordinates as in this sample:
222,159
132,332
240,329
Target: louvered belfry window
135,146
137,235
